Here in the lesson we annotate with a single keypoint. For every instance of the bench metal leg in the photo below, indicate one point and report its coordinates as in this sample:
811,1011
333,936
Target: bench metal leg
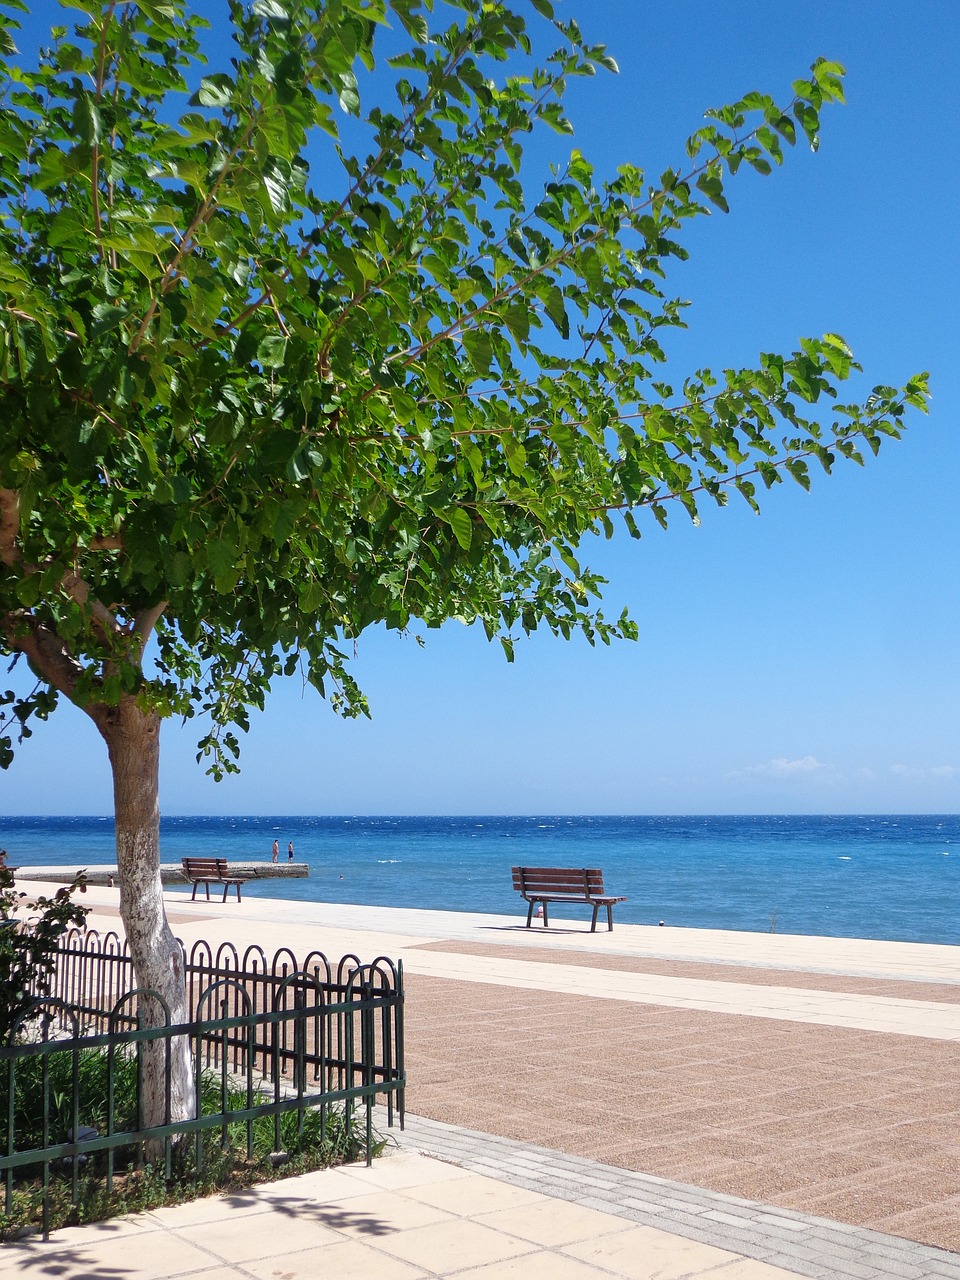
530,914
546,922
225,888
593,922
196,886
609,917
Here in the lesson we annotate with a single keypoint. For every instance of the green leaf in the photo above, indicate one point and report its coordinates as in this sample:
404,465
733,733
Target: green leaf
311,597
514,452
591,266
53,167
712,187
797,468
553,115
107,318
555,309
810,123
270,9
413,23
477,344
221,558
272,350
215,91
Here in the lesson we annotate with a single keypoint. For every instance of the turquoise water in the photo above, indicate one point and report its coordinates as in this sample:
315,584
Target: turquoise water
879,876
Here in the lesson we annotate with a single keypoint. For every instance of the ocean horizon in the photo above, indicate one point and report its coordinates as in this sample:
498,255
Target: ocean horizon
891,876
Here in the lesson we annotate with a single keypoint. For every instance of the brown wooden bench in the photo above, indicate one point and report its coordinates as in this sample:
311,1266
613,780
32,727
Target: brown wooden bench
208,871
564,884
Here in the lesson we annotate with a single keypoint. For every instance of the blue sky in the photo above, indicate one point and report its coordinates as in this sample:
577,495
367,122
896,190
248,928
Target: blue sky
802,661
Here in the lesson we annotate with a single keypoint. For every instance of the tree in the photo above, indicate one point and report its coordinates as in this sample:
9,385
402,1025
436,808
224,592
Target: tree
245,418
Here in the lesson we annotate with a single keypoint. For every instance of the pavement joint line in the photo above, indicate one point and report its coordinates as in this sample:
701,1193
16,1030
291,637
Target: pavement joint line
905,1270
779,1220
795,1241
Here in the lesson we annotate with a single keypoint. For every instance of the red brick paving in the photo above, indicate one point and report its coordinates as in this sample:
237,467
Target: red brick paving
858,1126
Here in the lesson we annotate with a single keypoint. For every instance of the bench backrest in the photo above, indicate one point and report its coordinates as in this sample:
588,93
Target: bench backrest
585,880
204,866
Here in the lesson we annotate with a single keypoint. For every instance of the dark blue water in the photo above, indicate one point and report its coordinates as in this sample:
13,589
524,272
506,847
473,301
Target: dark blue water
868,877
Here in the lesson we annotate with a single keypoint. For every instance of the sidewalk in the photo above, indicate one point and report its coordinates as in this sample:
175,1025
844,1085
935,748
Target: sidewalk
406,1218
781,1098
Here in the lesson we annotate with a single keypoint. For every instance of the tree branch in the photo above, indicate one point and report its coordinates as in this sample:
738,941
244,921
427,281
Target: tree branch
208,207
565,251
146,620
75,587
45,651
9,526
106,19
79,592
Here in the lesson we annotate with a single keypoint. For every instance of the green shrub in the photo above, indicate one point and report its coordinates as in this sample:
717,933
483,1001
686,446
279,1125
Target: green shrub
315,1139
92,1066
29,942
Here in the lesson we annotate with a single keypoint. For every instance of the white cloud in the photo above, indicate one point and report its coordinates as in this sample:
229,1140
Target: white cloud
936,773
780,767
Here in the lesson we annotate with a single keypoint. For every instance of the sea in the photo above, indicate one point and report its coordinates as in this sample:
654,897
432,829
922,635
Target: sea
874,876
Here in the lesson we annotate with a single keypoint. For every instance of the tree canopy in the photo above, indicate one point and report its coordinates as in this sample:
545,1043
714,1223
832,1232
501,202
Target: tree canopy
261,390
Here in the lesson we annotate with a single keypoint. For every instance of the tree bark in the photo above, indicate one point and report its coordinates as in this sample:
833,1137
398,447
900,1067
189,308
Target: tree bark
133,741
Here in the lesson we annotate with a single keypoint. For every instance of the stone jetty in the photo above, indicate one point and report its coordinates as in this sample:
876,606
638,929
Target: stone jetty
170,872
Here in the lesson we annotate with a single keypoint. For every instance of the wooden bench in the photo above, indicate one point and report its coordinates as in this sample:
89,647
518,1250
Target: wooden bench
208,871
564,884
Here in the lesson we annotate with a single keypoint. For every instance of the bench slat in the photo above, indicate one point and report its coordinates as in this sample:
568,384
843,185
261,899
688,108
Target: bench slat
585,880
560,873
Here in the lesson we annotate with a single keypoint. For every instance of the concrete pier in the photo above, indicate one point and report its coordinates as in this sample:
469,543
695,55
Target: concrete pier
170,872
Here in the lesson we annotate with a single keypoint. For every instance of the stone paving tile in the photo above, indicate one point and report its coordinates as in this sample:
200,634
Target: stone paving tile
640,1252
378,1215
747,1269
165,1255
449,1246
206,1209
798,1243
127,1229
536,1266
344,1260
475,1196
249,1238
551,1222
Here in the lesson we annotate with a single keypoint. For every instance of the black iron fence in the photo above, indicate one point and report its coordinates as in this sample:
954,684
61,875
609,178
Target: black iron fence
269,1038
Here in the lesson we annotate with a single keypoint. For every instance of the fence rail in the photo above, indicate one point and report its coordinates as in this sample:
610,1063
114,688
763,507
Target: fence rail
280,1035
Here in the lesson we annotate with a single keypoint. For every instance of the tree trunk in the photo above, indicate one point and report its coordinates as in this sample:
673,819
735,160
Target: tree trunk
133,740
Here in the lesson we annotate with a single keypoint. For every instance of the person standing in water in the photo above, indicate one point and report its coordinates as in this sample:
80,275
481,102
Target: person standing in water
290,851
276,850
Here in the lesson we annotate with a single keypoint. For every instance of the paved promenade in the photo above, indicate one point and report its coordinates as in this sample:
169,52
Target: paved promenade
644,1103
